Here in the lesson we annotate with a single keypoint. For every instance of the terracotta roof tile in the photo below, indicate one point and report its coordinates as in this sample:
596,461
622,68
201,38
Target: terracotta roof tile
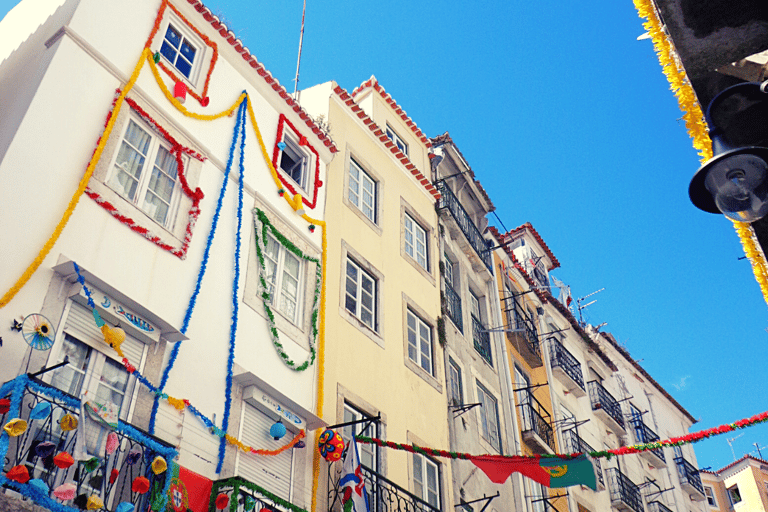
529,227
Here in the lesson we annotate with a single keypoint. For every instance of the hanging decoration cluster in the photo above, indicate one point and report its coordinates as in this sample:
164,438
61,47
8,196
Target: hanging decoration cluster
697,126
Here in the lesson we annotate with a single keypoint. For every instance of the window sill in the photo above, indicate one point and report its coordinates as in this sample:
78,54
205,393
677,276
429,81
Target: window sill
357,323
421,372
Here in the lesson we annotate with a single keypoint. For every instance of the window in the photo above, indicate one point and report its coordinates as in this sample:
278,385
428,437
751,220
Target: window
710,494
539,497
294,162
455,391
449,279
734,495
362,190
419,342
489,417
368,452
416,241
145,173
179,51
523,395
400,143
273,473
426,475
360,294
282,272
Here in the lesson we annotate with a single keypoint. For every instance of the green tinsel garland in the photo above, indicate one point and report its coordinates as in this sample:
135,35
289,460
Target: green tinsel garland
237,482
263,227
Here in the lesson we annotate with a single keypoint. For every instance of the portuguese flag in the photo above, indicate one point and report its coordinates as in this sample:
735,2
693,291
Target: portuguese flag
553,472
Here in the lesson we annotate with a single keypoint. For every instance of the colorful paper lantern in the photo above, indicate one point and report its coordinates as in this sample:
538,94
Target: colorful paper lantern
45,449
113,476
134,455
331,445
91,464
125,507
15,427
113,336
94,503
222,500
39,486
65,492
40,411
180,91
63,460
140,485
18,474
5,405
68,423
112,443
159,465
277,430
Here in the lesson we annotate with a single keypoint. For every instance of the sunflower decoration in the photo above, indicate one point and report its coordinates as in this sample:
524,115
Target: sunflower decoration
38,332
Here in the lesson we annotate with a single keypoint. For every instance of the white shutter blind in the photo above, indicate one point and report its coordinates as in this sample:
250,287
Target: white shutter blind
81,325
272,473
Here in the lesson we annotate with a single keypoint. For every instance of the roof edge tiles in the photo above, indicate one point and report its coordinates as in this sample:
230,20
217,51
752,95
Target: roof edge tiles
240,48
737,462
446,139
374,84
528,226
349,101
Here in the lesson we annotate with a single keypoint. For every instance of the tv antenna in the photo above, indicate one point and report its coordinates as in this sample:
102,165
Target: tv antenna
301,43
730,443
581,306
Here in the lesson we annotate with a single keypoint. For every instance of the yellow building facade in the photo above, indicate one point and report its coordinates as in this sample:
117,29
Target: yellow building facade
740,486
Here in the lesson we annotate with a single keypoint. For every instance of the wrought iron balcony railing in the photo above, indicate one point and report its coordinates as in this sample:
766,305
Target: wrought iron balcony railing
527,332
624,491
689,475
560,358
448,201
383,494
602,400
644,434
245,496
657,506
453,306
536,419
51,418
575,444
482,340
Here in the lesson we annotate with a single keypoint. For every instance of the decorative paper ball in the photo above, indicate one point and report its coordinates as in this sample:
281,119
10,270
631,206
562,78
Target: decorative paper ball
15,427
94,503
63,460
222,500
159,465
112,443
18,474
68,423
331,445
140,485
65,492
40,486
277,431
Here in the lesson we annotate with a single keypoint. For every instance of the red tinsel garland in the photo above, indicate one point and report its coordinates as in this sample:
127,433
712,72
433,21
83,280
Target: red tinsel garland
276,153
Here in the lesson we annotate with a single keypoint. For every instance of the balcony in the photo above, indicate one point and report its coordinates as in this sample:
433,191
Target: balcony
605,406
625,495
690,480
566,368
44,407
657,506
643,435
526,336
247,496
482,340
383,494
575,444
448,202
536,424
453,307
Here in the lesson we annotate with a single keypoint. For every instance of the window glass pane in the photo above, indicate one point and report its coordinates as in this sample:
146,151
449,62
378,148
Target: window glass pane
369,197
354,184
129,163
188,51
70,378
173,36
114,381
183,66
292,163
418,476
432,484
168,51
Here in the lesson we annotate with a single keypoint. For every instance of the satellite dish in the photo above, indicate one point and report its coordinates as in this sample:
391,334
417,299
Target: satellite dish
38,332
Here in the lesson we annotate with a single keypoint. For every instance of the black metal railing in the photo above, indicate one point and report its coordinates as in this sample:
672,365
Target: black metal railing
536,418
453,306
116,461
601,399
575,444
475,238
245,496
688,474
482,339
561,358
383,494
527,329
644,434
657,506
624,490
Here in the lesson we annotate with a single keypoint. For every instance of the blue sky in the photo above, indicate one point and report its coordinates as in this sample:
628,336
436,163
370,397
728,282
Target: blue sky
569,124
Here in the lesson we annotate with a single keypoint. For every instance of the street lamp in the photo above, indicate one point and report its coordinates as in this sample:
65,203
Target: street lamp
734,181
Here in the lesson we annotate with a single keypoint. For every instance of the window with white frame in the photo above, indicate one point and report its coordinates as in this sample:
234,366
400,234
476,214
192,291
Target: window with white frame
710,494
399,142
426,480
368,452
734,495
360,294
362,190
489,417
145,173
419,341
294,162
181,49
455,391
416,241
282,273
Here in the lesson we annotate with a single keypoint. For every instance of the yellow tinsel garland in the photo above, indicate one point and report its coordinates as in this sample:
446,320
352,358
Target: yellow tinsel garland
697,127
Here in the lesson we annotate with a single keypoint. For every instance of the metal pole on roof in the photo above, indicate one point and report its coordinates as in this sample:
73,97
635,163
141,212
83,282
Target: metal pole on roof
301,43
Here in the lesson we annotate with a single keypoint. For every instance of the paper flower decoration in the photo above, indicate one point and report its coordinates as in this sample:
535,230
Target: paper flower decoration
134,455
91,464
277,430
125,507
113,336
331,445
39,486
140,485
63,460
94,503
68,423
40,411
15,427
222,500
18,474
37,332
113,476
45,449
159,465
5,405
112,443
281,145
65,492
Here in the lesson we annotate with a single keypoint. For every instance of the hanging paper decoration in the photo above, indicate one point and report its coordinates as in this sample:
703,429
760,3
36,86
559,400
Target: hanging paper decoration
249,503
113,476
140,485
37,332
331,445
63,460
91,464
125,507
94,503
159,465
134,455
40,411
5,405
281,145
18,474
81,501
180,91
113,336
15,427
45,449
68,423
39,486
65,492
277,430
222,500
112,443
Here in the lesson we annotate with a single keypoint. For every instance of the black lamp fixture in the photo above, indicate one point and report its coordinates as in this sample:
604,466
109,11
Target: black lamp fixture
734,181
